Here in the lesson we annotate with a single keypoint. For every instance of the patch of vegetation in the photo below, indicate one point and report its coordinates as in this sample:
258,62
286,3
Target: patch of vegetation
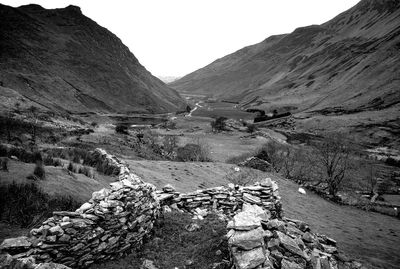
219,124
198,151
172,246
121,129
27,205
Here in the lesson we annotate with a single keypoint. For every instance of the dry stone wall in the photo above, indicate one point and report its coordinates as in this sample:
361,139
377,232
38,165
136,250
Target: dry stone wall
257,241
113,222
227,199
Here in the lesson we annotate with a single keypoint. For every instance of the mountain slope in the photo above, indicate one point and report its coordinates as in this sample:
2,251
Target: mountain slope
350,63
63,60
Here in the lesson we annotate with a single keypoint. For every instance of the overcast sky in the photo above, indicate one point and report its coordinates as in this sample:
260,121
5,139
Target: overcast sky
176,37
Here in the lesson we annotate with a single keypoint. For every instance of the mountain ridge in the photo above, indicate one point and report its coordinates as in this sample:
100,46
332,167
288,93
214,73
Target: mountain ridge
314,67
63,60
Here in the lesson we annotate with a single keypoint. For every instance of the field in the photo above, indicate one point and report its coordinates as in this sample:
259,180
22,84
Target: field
370,237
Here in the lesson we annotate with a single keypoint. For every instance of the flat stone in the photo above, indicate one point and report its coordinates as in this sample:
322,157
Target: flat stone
101,194
249,259
56,230
289,244
286,264
251,198
21,242
247,239
244,221
51,266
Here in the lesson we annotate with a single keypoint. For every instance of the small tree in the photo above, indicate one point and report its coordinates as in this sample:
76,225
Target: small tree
219,124
170,143
332,154
33,111
121,129
274,153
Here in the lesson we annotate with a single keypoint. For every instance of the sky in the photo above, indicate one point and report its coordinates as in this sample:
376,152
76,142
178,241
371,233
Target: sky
177,37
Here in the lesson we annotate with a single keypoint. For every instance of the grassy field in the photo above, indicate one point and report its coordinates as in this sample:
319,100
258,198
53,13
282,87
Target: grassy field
58,180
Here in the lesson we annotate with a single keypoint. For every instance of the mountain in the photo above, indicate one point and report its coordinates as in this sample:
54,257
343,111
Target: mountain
64,61
168,79
346,65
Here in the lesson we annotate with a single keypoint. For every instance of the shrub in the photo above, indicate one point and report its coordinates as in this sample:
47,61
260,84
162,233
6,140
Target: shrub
4,164
39,171
170,143
70,167
121,129
393,162
194,152
219,124
251,128
27,205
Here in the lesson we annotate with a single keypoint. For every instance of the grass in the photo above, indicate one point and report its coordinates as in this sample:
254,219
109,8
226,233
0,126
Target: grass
173,246
27,204
58,181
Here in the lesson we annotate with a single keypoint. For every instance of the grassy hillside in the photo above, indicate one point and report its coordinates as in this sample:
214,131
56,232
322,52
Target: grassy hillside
62,60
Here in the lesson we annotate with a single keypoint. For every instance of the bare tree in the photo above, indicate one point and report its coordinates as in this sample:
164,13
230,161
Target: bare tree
332,155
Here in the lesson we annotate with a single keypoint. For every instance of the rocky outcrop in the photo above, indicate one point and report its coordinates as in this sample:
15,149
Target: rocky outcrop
113,222
228,199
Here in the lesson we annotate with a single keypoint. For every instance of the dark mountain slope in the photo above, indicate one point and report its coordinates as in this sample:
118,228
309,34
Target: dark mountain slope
350,63
65,61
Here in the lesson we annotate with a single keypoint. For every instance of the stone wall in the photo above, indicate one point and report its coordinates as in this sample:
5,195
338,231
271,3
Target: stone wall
228,199
258,241
114,221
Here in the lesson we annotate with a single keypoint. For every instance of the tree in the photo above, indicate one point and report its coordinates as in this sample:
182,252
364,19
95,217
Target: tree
274,153
170,143
33,111
219,124
332,155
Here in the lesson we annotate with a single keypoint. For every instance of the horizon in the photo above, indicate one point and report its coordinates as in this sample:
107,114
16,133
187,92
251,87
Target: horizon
208,33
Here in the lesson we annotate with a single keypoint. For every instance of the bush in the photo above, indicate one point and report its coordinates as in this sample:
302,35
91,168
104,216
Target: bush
170,143
219,124
4,164
39,171
393,162
251,128
27,205
194,152
121,129
70,167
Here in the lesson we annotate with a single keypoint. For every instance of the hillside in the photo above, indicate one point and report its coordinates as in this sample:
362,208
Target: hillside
64,61
350,64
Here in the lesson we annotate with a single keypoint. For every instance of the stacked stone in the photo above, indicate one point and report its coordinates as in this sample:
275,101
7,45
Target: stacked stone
113,222
246,238
258,241
228,199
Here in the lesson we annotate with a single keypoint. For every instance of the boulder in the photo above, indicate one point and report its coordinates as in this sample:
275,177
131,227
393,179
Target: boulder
249,259
247,239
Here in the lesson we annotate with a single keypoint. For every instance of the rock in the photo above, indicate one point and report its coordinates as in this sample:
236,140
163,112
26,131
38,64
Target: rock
218,252
249,259
84,207
275,224
286,264
266,182
13,244
56,230
168,188
101,194
302,191
251,198
307,237
247,239
289,244
265,215
192,227
51,266
148,264
244,221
